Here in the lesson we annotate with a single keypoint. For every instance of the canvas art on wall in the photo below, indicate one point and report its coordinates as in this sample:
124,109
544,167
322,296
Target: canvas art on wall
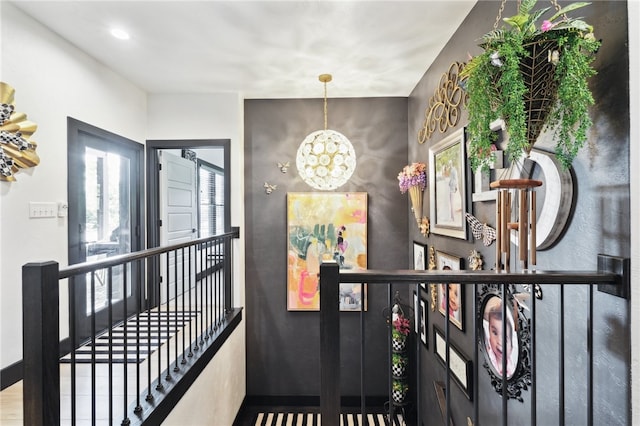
325,226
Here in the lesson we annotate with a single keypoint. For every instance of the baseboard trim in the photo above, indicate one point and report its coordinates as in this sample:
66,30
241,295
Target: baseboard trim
13,374
10,375
308,401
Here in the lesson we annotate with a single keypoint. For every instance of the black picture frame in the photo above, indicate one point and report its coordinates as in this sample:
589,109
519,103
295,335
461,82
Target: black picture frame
461,366
420,317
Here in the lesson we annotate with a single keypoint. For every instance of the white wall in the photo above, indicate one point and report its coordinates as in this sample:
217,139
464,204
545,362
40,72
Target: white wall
52,80
216,395
212,116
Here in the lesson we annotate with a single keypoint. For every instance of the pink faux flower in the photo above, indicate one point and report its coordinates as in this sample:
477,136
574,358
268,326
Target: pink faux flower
546,26
414,174
402,325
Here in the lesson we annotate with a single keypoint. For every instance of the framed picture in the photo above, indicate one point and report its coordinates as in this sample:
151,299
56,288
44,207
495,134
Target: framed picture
497,320
455,302
325,226
416,316
461,366
423,321
419,256
448,186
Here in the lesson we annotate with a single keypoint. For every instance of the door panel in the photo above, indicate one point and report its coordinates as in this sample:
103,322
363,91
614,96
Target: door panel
215,151
105,187
179,214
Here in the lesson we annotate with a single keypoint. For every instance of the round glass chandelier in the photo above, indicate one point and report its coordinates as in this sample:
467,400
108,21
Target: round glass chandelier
326,159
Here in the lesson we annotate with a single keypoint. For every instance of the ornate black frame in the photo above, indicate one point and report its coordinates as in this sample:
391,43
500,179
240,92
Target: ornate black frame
521,378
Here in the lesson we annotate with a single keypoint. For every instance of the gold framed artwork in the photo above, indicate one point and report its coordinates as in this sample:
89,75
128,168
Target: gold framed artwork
325,226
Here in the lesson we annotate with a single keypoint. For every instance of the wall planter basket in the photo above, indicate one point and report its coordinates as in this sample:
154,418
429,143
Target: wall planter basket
533,74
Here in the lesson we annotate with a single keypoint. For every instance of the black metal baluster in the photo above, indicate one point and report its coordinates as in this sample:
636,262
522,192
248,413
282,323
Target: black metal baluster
125,370
220,280
150,291
216,286
200,283
167,302
183,295
74,344
534,392
561,347
110,339
160,385
447,322
190,296
208,291
505,324
142,284
363,409
390,412
175,310
418,315
476,354
590,358
93,348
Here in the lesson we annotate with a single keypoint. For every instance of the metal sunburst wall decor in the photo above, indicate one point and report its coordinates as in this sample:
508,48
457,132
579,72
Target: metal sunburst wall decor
17,150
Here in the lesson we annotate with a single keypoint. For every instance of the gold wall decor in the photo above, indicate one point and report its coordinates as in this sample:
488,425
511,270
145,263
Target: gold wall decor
445,104
17,150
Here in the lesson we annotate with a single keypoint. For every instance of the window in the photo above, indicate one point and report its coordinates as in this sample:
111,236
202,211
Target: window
211,199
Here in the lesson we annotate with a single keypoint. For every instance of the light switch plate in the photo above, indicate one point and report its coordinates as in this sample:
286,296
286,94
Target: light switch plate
38,209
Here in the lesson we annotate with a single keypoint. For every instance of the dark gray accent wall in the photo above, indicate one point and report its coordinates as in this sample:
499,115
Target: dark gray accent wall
283,347
599,223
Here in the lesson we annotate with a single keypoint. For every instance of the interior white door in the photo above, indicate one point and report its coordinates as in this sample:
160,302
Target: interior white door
178,215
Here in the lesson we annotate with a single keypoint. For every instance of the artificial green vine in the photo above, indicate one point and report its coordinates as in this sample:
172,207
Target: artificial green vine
496,88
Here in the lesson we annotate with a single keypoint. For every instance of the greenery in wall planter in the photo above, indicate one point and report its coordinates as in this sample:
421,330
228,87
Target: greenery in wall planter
532,74
399,359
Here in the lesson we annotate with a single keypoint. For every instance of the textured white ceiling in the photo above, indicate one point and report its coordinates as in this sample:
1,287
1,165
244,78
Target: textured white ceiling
260,49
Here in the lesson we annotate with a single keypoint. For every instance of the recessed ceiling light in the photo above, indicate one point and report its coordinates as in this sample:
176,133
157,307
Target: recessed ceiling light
120,34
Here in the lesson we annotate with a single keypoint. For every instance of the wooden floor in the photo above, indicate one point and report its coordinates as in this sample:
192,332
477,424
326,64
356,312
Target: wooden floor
101,383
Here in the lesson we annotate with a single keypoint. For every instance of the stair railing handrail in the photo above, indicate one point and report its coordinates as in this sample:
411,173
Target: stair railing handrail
331,277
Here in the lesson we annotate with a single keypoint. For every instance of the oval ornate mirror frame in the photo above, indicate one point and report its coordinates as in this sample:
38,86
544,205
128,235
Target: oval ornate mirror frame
489,322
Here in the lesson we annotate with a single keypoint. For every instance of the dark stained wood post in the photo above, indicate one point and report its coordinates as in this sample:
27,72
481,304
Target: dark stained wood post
41,344
330,343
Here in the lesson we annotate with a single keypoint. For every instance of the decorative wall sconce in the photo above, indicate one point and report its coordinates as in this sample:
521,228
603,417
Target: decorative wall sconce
16,149
326,159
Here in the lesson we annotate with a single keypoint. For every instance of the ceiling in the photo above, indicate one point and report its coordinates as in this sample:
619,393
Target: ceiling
260,49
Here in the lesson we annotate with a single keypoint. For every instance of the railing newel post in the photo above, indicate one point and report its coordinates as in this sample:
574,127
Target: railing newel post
41,343
330,343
